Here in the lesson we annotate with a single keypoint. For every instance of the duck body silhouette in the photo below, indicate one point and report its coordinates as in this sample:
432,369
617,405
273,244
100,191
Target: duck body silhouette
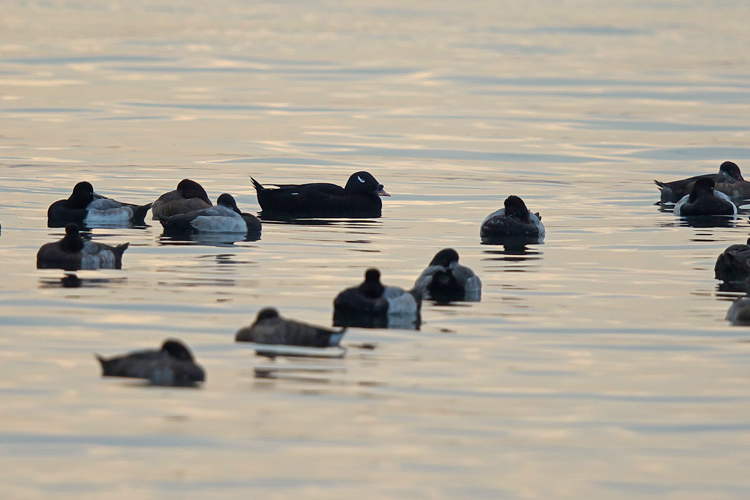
360,198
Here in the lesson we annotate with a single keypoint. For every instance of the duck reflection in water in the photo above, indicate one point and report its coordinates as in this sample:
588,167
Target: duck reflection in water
373,305
71,280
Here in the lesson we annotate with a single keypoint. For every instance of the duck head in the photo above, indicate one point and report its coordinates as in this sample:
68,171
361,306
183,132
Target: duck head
371,286
364,182
191,189
731,169
515,207
704,186
267,313
176,349
83,194
227,200
72,241
446,257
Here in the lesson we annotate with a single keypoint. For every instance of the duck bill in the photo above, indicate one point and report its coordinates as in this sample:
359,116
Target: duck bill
382,192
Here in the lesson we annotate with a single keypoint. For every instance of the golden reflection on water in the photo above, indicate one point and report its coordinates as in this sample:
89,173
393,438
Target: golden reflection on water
597,365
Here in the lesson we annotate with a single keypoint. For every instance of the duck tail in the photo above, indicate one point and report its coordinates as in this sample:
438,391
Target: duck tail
257,185
660,184
106,365
118,251
139,215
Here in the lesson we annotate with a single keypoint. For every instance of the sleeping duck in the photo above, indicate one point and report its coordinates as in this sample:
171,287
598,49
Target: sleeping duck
87,208
733,265
513,221
73,252
446,280
173,364
359,198
225,217
270,328
704,200
672,192
370,304
188,196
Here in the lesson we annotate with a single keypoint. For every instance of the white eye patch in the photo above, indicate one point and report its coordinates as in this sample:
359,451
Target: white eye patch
360,179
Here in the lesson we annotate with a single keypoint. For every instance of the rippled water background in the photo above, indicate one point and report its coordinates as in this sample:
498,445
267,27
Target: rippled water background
597,365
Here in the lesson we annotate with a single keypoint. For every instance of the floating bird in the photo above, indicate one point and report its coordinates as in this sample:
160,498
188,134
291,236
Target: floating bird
73,252
87,208
729,173
225,217
705,200
371,304
359,198
446,280
733,265
512,221
270,328
173,364
188,196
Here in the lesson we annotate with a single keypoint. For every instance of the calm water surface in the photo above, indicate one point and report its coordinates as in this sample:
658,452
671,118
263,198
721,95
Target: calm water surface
597,365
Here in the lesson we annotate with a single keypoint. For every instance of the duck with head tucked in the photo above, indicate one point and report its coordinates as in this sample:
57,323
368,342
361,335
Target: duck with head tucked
446,280
87,208
172,365
225,217
371,304
513,221
672,192
704,200
733,265
359,198
270,328
188,196
72,253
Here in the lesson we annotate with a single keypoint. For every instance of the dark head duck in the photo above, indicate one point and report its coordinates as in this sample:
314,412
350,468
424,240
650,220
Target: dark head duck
703,200
87,208
172,365
446,280
72,252
270,328
514,220
672,192
359,198
373,305
225,217
188,196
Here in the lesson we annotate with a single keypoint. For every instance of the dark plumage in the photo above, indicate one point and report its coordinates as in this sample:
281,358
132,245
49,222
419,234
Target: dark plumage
733,265
225,217
173,364
446,280
73,252
729,173
704,200
513,221
359,198
87,208
188,196
270,328
372,304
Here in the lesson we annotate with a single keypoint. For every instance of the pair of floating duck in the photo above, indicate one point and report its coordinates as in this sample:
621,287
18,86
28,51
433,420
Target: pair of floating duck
707,195
173,364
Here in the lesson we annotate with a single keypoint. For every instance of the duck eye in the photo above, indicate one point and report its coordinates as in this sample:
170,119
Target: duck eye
360,179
